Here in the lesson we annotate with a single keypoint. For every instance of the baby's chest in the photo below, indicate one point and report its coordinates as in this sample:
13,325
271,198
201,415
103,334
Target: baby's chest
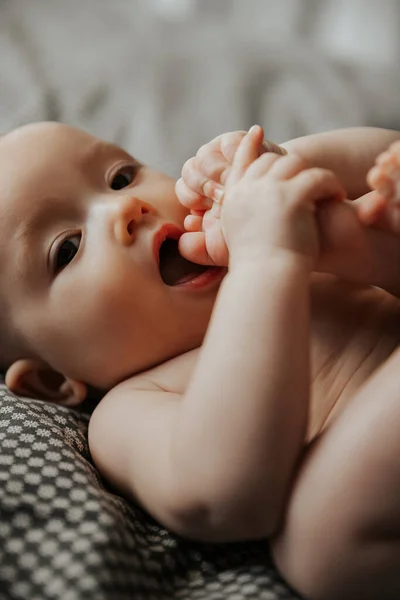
353,332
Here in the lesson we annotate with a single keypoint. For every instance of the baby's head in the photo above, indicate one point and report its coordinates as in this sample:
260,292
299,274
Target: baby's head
83,299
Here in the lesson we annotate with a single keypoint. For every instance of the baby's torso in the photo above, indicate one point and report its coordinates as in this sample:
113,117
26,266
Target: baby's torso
354,329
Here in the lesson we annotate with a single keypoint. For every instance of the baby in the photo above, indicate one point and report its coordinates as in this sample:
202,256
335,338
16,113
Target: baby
219,416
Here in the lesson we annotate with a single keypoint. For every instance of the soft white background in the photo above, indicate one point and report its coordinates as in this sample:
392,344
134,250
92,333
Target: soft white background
161,77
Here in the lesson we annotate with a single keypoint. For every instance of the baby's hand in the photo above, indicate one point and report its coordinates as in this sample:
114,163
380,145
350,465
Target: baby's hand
269,205
201,188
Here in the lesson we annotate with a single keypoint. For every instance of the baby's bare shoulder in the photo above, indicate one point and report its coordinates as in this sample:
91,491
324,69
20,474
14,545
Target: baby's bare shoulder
171,376
130,434
169,379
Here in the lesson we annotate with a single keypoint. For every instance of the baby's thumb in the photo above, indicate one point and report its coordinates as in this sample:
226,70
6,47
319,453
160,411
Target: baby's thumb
192,246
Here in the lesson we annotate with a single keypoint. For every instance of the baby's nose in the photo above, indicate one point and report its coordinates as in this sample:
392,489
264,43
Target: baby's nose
129,215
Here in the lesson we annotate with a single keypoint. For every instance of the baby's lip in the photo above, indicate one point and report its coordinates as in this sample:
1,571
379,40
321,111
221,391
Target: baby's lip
168,230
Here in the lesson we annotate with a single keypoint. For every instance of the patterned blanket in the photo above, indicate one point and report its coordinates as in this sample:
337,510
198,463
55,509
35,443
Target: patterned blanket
64,535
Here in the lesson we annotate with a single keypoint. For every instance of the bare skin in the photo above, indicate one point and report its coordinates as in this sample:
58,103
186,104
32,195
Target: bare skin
340,536
213,411
369,317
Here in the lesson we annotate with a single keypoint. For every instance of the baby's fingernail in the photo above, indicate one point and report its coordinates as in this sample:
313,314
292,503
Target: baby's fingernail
254,128
218,194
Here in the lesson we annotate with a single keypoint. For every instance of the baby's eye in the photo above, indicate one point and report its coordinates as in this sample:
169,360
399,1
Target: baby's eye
66,251
123,178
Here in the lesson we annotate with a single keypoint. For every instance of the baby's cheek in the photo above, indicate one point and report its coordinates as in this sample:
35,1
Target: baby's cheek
82,324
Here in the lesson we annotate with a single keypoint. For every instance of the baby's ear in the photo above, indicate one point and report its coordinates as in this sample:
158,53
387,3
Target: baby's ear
35,379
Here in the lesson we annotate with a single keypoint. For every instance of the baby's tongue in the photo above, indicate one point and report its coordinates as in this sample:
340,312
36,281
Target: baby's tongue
175,269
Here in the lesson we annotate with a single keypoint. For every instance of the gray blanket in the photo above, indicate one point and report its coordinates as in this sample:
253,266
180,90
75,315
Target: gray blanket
64,535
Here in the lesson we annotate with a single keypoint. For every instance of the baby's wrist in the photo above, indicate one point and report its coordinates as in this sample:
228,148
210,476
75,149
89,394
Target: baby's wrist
265,260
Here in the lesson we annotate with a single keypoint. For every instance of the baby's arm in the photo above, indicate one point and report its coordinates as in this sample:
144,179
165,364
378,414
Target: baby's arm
216,463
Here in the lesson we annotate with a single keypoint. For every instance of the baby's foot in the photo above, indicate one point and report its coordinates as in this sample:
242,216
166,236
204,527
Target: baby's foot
384,177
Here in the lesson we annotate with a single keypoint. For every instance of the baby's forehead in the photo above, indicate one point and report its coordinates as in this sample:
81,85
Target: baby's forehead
42,129
42,152
47,140
48,160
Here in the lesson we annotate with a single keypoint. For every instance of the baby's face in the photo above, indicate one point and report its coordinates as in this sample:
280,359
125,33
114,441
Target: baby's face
81,228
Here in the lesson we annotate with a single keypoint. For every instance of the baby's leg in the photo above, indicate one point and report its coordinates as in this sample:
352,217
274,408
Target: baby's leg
341,537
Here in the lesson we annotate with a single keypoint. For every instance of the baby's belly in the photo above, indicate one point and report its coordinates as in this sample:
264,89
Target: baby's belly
354,330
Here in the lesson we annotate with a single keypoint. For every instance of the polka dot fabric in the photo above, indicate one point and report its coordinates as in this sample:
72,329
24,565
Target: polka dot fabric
64,535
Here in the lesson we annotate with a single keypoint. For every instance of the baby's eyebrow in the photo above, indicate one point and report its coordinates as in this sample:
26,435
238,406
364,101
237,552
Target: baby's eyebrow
41,216
33,226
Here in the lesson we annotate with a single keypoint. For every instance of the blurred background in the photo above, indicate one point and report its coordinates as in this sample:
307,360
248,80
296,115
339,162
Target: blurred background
161,77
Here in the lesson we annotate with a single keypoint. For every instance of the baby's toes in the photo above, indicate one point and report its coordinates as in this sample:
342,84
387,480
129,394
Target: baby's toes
389,161
384,177
379,180
394,148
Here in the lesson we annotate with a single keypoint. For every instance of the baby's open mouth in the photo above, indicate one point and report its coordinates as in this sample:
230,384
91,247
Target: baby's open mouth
174,269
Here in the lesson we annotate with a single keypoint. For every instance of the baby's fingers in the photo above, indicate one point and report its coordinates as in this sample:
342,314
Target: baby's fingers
196,182
212,164
225,144
246,154
190,198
